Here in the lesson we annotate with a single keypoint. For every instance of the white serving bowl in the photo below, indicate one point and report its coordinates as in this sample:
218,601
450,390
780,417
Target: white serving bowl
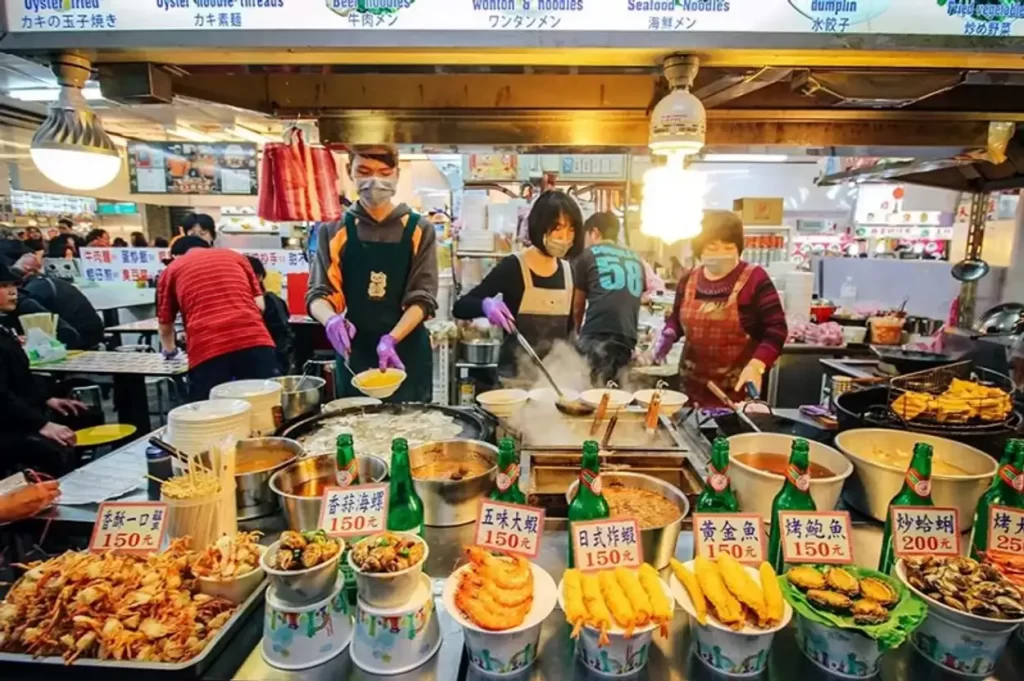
671,400
300,587
728,652
235,589
397,640
755,489
621,656
549,396
263,394
299,637
396,379
617,399
502,653
503,403
388,589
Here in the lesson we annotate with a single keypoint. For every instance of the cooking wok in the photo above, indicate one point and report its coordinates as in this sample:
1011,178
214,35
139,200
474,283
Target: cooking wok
908,361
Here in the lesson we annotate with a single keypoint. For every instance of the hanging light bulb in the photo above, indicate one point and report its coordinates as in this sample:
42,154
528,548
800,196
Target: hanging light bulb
673,202
70,146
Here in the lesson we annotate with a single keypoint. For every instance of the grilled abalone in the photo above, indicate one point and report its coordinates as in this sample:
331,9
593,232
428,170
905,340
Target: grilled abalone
804,577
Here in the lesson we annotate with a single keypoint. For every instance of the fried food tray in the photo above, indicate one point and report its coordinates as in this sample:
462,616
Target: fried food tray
28,666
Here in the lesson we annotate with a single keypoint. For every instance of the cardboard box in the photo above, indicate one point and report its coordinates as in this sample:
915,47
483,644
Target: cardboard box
759,211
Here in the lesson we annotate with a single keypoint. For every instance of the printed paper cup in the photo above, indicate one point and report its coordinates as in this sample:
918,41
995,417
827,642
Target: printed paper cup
622,656
299,637
396,640
841,652
961,649
731,653
504,653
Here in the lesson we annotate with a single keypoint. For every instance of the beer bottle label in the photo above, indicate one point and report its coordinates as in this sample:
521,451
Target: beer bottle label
921,485
347,475
719,480
798,478
591,480
1012,477
508,477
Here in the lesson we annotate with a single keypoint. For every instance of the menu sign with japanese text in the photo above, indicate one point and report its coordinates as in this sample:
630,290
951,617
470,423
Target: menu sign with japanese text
741,535
603,544
1005,530
354,511
509,527
817,537
925,531
129,527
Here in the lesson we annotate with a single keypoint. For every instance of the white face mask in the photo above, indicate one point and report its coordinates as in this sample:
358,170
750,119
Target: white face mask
376,191
717,265
556,248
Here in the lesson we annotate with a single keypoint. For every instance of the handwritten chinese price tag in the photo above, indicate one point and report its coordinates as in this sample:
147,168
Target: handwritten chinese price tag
354,511
822,537
741,535
603,544
1005,530
129,528
925,531
509,527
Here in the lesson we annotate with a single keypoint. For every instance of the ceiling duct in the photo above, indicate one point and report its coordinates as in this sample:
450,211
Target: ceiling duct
863,89
138,83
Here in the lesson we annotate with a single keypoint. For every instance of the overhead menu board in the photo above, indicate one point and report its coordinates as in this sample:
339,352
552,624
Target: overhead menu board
192,168
985,18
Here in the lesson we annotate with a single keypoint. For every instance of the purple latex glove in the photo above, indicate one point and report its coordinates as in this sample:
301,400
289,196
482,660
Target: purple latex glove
387,355
664,344
340,333
497,313
171,354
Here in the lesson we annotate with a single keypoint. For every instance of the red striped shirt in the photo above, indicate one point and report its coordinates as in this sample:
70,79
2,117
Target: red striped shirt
215,290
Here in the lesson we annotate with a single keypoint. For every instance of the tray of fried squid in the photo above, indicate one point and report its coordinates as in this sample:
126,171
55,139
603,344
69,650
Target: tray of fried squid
114,614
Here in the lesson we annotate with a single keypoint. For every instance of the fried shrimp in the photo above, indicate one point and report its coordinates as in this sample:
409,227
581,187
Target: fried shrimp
597,612
486,614
572,595
493,593
689,581
616,600
513,573
638,600
739,583
661,608
507,598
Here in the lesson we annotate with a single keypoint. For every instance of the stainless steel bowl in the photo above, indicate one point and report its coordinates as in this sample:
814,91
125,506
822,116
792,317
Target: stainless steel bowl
253,497
302,587
480,351
874,483
658,543
447,503
303,513
300,395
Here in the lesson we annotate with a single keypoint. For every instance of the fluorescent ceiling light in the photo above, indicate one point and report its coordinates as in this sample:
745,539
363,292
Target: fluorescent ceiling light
745,158
248,135
50,94
191,134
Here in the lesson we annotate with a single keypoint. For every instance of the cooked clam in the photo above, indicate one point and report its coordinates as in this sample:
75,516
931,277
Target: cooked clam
829,600
966,585
879,591
868,611
842,581
805,577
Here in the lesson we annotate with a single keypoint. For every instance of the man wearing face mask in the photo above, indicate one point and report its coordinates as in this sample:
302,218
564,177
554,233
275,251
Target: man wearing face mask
374,280
730,314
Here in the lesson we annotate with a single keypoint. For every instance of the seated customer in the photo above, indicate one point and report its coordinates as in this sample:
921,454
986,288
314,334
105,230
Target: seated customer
61,298
25,502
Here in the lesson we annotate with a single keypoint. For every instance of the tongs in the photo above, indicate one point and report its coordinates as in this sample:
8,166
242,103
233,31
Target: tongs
735,408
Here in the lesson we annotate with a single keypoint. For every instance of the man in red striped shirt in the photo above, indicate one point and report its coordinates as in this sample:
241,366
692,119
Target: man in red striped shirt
221,302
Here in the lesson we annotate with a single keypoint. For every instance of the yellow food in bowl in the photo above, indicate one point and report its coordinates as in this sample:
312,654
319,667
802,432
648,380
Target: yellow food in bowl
377,379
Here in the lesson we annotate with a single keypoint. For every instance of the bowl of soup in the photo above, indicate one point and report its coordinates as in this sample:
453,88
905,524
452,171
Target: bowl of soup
256,460
451,477
758,468
300,486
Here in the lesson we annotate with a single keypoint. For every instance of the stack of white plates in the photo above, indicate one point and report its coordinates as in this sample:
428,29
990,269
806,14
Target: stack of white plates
195,428
262,394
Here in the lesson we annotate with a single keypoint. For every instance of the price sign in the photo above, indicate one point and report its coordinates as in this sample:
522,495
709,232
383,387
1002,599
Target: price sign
129,528
822,537
1005,530
509,527
354,511
603,544
925,531
741,535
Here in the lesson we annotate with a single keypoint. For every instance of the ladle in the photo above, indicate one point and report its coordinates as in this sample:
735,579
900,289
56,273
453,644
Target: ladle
720,394
970,270
562,403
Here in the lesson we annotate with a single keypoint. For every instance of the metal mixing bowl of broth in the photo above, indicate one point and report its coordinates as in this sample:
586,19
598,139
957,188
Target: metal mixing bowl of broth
451,477
256,460
300,486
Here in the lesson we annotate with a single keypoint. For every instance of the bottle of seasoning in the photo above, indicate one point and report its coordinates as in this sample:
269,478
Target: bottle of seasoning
794,496
589,503
1005,491
405,508
507,488
717,495
916,491
345,455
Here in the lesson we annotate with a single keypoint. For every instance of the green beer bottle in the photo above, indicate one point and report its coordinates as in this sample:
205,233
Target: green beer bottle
405,508
794,496
1005,491
507,488
348,471
589,503
717,495
916,491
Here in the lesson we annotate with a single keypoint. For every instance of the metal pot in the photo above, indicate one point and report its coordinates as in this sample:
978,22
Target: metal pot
253,497
481,351
658,543
303,513
447,503
298,401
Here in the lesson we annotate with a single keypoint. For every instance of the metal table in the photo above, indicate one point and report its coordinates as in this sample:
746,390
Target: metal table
129,372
